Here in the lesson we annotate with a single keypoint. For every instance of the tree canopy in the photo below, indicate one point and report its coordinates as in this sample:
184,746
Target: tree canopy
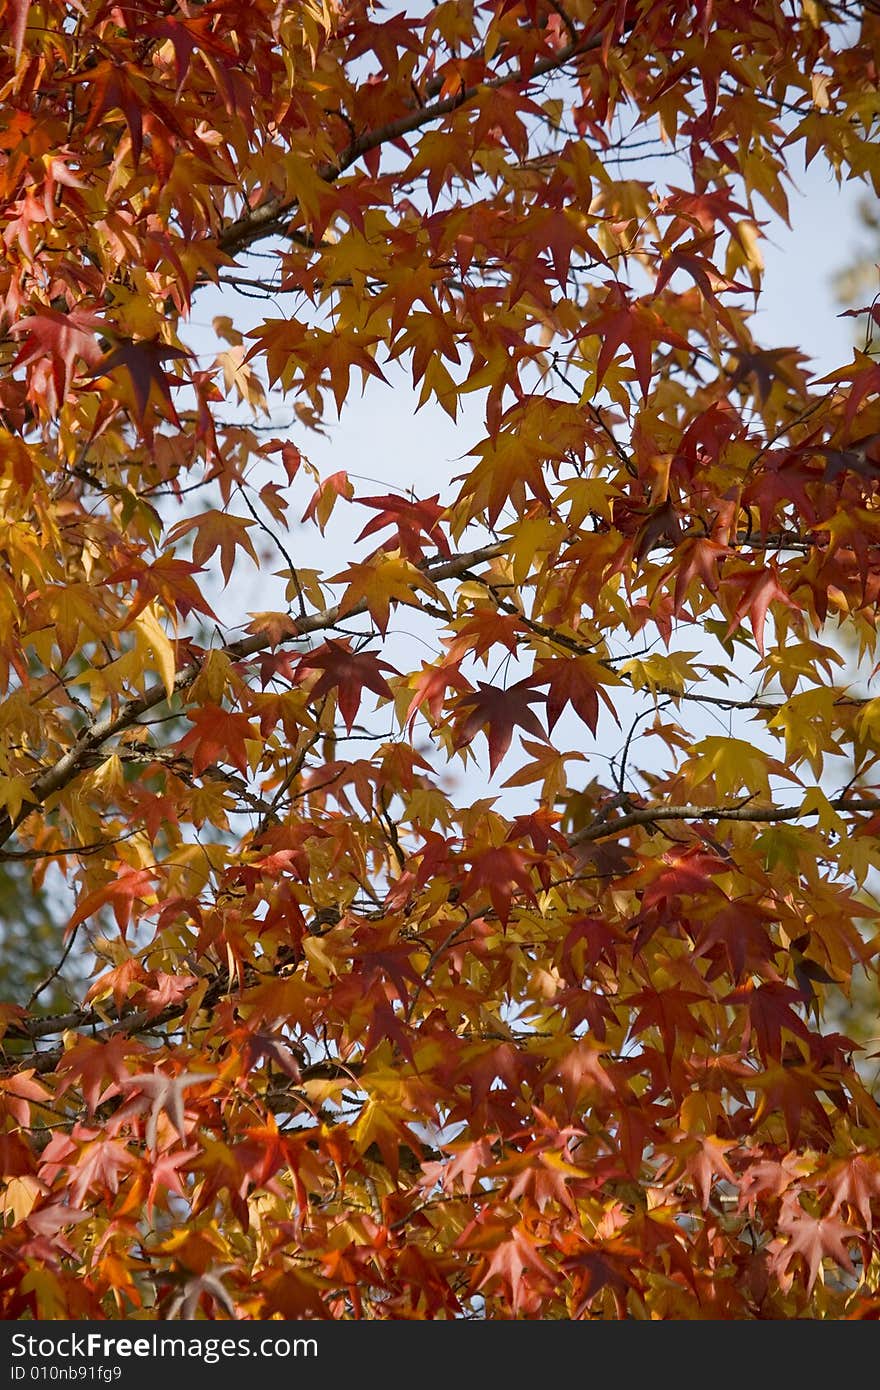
472,931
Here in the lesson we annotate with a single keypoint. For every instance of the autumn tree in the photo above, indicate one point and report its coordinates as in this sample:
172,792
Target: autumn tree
461,928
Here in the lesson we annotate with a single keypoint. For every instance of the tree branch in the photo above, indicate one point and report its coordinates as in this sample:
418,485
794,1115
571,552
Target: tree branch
90,739
645,815
268,219
131,1023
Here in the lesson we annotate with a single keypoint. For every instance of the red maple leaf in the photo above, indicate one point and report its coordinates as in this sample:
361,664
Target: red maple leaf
121,86
769,1011
638,1128
165,1175
501,1063
813,1238
260,1047
542,1180
142,360
572,681
855,1182
430,689
541,827
597,1268
759,589
168,579
91,1064
188,35
670,1011
767,1179
63,339
467,1164
411,519
704,1160
687,871
581,1073
864,373
697,559
501,870
99,1167
218,735
121,893
324,498
348,673
16,1095
162,991
120,981
394,964
793,1089
736,934
385,1023
767,365
19,10
631,322
601,943
511,1264
486,629
704,274
16,1157
498,712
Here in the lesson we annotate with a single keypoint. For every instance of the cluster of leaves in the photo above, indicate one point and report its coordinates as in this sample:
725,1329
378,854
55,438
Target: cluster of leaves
353,1048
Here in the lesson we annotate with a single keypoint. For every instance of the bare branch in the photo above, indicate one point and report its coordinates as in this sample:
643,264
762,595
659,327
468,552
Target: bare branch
269,218
91,738
645,815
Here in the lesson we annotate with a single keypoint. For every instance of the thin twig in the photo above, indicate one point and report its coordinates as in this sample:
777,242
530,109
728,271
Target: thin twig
279,547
